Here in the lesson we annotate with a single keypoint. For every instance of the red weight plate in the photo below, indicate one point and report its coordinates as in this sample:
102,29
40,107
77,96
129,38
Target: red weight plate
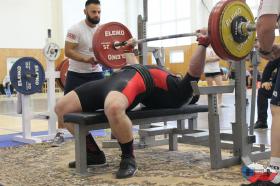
62,68
63,71
214,30
103,40
58,67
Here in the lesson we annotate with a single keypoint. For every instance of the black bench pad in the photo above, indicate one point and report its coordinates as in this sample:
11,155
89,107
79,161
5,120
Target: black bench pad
99,116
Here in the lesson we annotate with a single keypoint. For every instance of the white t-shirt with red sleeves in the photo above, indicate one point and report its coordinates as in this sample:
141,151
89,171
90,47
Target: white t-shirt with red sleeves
82,34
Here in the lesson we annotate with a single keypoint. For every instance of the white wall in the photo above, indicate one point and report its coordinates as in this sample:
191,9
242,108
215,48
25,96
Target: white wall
133,9
72,13
24,24
19,20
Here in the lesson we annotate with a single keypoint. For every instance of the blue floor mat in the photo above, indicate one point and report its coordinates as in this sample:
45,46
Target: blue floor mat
7,140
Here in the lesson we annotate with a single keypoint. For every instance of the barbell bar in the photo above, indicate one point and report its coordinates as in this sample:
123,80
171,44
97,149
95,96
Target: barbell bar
123,43
242,28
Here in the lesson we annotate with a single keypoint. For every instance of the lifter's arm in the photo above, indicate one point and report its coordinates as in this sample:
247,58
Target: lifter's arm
197,62
129,55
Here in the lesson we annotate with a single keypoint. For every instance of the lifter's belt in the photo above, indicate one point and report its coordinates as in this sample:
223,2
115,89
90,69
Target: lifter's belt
146,75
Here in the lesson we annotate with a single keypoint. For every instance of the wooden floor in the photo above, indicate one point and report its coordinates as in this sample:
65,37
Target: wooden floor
10,121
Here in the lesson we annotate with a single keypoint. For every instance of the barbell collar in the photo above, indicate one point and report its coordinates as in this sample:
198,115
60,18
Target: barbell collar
246,27
119,44
251,27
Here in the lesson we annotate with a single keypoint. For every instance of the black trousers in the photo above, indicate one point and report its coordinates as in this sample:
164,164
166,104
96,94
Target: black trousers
262,103
74,79
275,99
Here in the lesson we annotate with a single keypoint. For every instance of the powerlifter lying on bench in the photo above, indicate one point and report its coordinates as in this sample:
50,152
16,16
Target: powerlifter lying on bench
152,86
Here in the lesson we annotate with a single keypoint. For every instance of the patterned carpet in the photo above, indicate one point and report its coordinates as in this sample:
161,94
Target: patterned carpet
41,164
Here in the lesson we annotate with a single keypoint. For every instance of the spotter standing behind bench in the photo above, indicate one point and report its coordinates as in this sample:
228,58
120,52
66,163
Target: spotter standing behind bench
150,85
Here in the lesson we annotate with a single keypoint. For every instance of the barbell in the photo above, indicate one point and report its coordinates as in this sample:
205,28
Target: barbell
231,28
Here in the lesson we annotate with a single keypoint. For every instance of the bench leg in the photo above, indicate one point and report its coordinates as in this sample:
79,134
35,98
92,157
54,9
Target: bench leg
214,133
146,141
173,143
80,149
192,122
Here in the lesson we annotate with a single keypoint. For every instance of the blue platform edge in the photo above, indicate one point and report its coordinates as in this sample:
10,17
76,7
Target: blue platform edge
7,139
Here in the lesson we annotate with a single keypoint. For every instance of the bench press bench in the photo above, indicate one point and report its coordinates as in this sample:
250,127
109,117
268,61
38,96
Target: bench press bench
84,122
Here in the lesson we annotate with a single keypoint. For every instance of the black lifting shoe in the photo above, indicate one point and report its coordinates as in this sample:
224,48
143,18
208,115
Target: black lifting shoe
93,160
260,125
127,168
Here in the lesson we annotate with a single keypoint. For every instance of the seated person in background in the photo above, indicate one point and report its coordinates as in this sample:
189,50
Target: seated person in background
212,71
265,92
152,86
7,85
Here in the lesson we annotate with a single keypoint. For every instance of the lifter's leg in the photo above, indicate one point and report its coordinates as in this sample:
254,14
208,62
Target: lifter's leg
115,106
67,104
71,103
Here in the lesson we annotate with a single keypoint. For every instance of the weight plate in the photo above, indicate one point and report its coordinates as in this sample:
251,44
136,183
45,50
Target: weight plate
103,44
27,75
52,51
